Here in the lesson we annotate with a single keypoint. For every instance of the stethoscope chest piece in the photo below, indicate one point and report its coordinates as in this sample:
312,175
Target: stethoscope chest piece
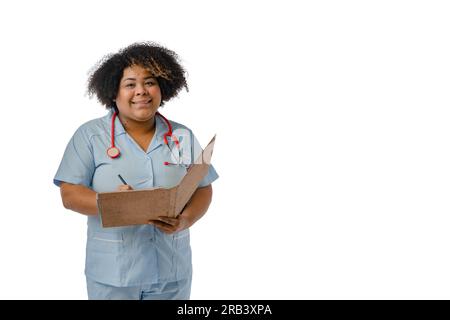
113,152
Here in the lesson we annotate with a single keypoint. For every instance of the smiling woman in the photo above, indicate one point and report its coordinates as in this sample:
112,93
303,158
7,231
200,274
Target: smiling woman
151,261
160,62
138,99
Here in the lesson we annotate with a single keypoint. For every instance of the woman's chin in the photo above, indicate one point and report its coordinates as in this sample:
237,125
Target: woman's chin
144,114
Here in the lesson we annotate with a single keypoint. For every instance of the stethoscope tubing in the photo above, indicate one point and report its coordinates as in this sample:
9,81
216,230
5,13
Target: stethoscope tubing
113,152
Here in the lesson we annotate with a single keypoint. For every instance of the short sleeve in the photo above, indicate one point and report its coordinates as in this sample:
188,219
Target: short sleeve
212,175
77,165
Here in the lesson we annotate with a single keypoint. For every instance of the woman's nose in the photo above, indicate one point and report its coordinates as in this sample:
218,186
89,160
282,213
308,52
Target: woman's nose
140,90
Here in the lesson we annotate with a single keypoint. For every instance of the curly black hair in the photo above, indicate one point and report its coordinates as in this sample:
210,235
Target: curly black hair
163,64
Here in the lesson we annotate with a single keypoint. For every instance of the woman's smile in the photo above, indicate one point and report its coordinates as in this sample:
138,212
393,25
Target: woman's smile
142,103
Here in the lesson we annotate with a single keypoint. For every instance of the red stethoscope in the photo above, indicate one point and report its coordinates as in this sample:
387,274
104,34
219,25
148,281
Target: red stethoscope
113,152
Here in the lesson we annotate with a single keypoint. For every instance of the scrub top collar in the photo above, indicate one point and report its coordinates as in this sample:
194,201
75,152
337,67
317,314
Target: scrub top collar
161,129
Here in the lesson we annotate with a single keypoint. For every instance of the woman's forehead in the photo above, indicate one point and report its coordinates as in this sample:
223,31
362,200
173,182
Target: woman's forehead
136,71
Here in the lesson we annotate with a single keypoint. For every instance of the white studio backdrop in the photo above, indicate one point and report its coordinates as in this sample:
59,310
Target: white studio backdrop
332,142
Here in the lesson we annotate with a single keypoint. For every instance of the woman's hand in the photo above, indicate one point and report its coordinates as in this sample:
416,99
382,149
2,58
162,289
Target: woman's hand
193,211
171,225
124,187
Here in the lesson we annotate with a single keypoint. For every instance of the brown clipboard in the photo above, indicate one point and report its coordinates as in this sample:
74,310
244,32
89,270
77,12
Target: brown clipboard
134,207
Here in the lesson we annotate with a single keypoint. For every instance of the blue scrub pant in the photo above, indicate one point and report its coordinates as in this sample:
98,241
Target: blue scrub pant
176,290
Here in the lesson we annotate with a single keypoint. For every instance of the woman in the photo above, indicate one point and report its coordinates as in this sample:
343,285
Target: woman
147,261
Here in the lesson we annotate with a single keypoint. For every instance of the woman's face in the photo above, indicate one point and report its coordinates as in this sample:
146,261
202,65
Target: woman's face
139,95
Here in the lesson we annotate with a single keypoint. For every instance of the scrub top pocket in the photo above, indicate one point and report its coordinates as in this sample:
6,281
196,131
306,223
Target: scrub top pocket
105,242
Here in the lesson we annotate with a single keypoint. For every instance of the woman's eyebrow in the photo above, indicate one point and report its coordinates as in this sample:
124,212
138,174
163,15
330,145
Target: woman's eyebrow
134,79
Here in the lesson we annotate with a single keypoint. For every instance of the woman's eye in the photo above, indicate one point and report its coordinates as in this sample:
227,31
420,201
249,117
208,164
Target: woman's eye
150,83
130,85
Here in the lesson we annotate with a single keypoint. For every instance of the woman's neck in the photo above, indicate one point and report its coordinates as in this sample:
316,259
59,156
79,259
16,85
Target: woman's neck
138,127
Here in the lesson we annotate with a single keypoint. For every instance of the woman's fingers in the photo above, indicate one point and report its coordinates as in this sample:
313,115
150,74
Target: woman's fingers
124,187
169,221
162,226
166,224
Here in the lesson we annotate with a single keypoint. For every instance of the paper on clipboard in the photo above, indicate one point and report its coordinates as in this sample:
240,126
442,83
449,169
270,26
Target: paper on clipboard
123,208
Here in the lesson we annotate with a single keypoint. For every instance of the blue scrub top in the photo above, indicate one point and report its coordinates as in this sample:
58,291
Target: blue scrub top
132,255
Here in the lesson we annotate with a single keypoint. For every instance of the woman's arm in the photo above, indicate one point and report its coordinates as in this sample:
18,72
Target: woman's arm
79,198
194,210
198,205
84,200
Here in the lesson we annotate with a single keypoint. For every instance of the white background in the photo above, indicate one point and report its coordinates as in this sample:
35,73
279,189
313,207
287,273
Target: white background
332,122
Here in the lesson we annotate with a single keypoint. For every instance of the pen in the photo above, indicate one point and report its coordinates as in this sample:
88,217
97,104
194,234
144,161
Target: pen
121,179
